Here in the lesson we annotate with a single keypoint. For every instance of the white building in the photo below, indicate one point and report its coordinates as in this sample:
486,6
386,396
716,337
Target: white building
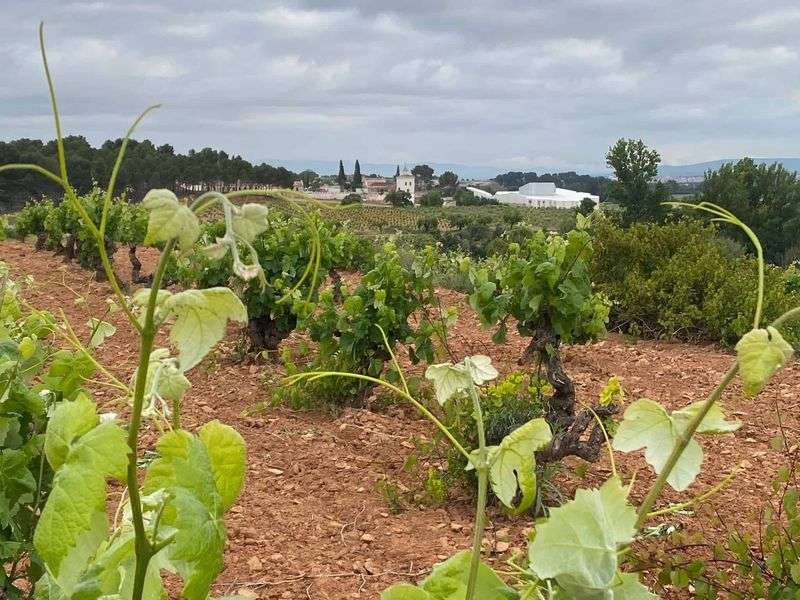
406,182
540,195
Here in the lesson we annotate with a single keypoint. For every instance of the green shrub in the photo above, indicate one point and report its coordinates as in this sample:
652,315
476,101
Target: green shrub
432,198
506,405
679,280
352,199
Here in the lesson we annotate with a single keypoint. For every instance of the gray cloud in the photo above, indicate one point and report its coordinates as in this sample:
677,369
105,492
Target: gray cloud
509,83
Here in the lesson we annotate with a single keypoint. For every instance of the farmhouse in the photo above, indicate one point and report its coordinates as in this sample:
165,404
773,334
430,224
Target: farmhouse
540,195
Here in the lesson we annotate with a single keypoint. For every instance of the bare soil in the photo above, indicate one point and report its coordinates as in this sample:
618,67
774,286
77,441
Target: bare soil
310,522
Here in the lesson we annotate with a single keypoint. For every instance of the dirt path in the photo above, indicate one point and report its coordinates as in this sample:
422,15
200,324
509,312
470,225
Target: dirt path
310,523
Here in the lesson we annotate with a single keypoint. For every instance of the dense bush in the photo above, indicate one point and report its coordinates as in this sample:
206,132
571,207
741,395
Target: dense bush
464,197
679,280
432,198
399,198
352,199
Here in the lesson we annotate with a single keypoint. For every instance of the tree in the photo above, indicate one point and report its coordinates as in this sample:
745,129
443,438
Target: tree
767,198
635,189
432,198
399,198
424,175
341,179
587,206
357,181
465,197
397,173
352,199
448,179
308,177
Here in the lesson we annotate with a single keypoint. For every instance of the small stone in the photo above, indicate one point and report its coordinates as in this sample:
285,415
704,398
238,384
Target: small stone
274,471
367,538
255,563
456,526
501,547
247,592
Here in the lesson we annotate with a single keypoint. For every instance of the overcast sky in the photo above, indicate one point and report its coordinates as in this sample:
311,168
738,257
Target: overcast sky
515,84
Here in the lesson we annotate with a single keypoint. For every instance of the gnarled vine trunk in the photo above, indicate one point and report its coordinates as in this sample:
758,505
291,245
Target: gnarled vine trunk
41,240
70,249
265,333
574,434
136,267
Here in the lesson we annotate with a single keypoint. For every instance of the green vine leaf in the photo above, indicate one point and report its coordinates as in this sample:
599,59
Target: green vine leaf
228,454
186,474
647,425
201,319
101,331
73,523
449,379
448,581
165,383
513,463
170,219
17,484
249,221
578,544
480,368
761,352
612,392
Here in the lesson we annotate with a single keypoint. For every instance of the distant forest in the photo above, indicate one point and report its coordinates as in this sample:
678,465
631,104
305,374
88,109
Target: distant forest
569,180
146,166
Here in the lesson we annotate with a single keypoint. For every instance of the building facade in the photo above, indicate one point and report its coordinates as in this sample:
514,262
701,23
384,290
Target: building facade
406,182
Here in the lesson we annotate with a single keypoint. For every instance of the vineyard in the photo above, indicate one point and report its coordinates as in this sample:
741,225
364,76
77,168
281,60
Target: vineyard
255,395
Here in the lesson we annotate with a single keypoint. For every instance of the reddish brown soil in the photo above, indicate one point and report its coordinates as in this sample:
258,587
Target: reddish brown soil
310,523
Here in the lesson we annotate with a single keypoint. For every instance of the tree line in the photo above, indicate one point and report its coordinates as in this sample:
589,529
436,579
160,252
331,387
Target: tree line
146,166
766,197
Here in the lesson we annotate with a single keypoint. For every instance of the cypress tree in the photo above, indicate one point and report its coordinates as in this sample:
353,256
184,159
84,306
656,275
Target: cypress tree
342,178
357,182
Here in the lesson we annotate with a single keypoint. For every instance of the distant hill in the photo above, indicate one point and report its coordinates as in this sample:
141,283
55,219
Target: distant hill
697,170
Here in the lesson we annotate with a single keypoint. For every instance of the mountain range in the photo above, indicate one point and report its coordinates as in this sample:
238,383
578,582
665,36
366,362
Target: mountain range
697,170
331,167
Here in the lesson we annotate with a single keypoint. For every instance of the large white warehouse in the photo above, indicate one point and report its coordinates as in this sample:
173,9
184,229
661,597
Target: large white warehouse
540,195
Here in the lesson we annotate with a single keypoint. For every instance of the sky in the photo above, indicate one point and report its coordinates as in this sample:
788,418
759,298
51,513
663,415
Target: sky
511,84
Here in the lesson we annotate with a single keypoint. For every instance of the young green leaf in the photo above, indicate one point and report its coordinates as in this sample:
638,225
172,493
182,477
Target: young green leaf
448,581
249,221
228,454
201,319
70,420
186,472
612,392
165,383
183,462
480,368
578,544
448,379
170,219
647,425
196,552
513,465
17,484
100,330
73,523
760,353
